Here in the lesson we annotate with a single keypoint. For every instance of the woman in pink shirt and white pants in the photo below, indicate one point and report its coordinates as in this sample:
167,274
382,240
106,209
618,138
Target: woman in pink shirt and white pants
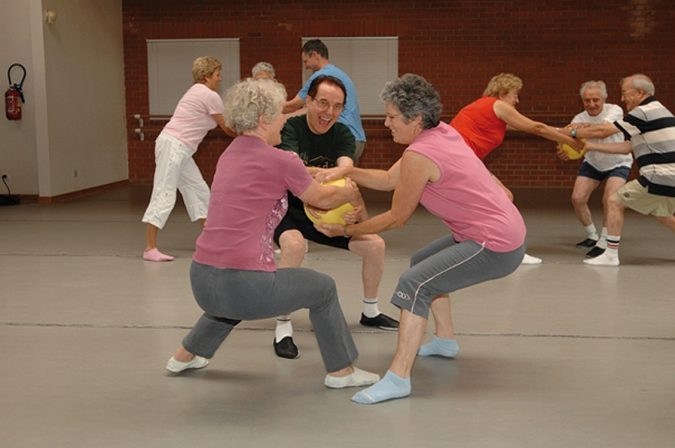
487,233
197,112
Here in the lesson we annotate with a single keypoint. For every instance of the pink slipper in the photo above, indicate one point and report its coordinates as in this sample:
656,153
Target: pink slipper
156,255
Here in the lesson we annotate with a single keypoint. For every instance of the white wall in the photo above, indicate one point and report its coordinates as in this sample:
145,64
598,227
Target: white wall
84,63
73,135
18,152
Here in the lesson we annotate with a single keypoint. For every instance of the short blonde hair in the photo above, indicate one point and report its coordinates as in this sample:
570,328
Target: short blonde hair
249,100
502,84
204,66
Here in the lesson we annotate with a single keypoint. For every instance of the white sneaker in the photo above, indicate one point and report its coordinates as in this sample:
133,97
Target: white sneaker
197,362
529,259
603,260
357,378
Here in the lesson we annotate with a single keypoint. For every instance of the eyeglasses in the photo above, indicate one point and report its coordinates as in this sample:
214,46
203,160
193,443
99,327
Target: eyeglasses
323,104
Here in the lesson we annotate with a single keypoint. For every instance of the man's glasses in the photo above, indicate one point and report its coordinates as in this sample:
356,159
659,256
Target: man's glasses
324,104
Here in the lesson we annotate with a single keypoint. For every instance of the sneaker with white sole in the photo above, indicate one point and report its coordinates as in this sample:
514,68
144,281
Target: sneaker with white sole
357,378
529,259
603,260
175,366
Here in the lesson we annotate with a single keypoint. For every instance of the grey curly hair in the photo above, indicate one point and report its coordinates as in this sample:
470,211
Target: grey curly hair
414,96
251,99
262,67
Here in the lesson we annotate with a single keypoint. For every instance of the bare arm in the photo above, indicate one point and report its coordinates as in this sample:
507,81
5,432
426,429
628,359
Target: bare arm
293,105
600,130
220,119
520,122
326,197
415,171
370,178
611,148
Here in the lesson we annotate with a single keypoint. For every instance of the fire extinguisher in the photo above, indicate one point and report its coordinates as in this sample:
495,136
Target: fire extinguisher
14,95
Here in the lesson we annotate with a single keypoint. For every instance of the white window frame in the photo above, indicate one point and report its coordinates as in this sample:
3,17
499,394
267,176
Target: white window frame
170,68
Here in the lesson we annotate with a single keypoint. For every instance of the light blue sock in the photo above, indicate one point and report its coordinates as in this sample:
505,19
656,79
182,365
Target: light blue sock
447,348
389,387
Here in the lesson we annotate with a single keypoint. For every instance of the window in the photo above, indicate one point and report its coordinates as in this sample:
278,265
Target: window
369,61
170,68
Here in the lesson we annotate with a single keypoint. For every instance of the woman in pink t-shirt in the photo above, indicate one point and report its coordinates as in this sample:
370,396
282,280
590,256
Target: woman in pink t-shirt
198,111
486,237
233,274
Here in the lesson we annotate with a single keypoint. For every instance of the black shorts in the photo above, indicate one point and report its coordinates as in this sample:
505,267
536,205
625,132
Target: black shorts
588,170
296,219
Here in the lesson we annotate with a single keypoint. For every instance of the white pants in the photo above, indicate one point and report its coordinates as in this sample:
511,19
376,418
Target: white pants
175,169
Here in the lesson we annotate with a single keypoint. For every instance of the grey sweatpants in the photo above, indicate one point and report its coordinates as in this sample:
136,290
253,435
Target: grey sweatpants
445,266
230,295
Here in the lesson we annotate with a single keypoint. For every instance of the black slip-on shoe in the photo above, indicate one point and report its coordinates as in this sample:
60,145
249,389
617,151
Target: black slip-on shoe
586,243
381,321
286,348
595,252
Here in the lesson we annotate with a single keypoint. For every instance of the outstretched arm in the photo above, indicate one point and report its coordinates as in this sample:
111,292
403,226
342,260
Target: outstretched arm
520,122
293,105
414,171
611,148
220,119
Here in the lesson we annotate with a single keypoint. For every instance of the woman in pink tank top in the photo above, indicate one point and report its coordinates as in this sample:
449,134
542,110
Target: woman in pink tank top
486,234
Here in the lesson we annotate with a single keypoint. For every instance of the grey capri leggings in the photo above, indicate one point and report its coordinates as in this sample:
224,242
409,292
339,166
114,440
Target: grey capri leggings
228,296
445,266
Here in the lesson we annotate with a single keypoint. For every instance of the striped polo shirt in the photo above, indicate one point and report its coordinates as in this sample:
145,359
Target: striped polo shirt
650,127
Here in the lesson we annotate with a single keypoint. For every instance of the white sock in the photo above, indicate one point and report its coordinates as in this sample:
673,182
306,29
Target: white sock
370,308
602,242
613,245
591,231
284,328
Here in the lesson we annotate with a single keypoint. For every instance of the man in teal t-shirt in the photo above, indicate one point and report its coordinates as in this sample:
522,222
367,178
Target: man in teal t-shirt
315,59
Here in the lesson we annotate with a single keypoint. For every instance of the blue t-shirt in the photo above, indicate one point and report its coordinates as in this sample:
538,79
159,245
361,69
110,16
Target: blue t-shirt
351,115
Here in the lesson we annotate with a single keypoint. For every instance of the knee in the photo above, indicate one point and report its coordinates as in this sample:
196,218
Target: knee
292,243
326,287
578,199
613,202
376,247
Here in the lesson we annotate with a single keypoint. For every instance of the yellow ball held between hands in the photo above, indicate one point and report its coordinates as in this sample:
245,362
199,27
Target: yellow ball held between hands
572,154
333,216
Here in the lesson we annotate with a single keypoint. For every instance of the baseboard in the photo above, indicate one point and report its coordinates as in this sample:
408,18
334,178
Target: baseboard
81,193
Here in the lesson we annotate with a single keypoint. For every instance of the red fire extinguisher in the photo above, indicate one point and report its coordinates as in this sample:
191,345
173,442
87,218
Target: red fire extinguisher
14,95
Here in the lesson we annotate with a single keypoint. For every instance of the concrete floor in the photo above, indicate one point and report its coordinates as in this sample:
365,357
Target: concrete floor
556,355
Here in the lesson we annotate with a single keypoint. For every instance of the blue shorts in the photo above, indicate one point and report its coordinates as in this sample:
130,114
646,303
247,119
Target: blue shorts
587,170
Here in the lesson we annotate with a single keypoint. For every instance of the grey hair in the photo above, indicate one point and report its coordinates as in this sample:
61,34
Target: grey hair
249,100
414,96
641,82
263,67
594,85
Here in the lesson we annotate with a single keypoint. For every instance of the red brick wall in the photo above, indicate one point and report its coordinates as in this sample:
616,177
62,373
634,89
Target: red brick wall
457,45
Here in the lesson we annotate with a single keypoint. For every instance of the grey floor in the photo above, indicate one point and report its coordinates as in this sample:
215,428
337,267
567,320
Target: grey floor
556,355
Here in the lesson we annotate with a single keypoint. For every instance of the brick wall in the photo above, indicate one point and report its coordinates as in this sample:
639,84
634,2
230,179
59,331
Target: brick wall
457,45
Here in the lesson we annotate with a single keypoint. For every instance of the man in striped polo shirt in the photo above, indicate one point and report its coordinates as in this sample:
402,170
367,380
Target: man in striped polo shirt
649,131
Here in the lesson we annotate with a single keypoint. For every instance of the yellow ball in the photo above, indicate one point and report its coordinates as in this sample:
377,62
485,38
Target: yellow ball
333,216
572,153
